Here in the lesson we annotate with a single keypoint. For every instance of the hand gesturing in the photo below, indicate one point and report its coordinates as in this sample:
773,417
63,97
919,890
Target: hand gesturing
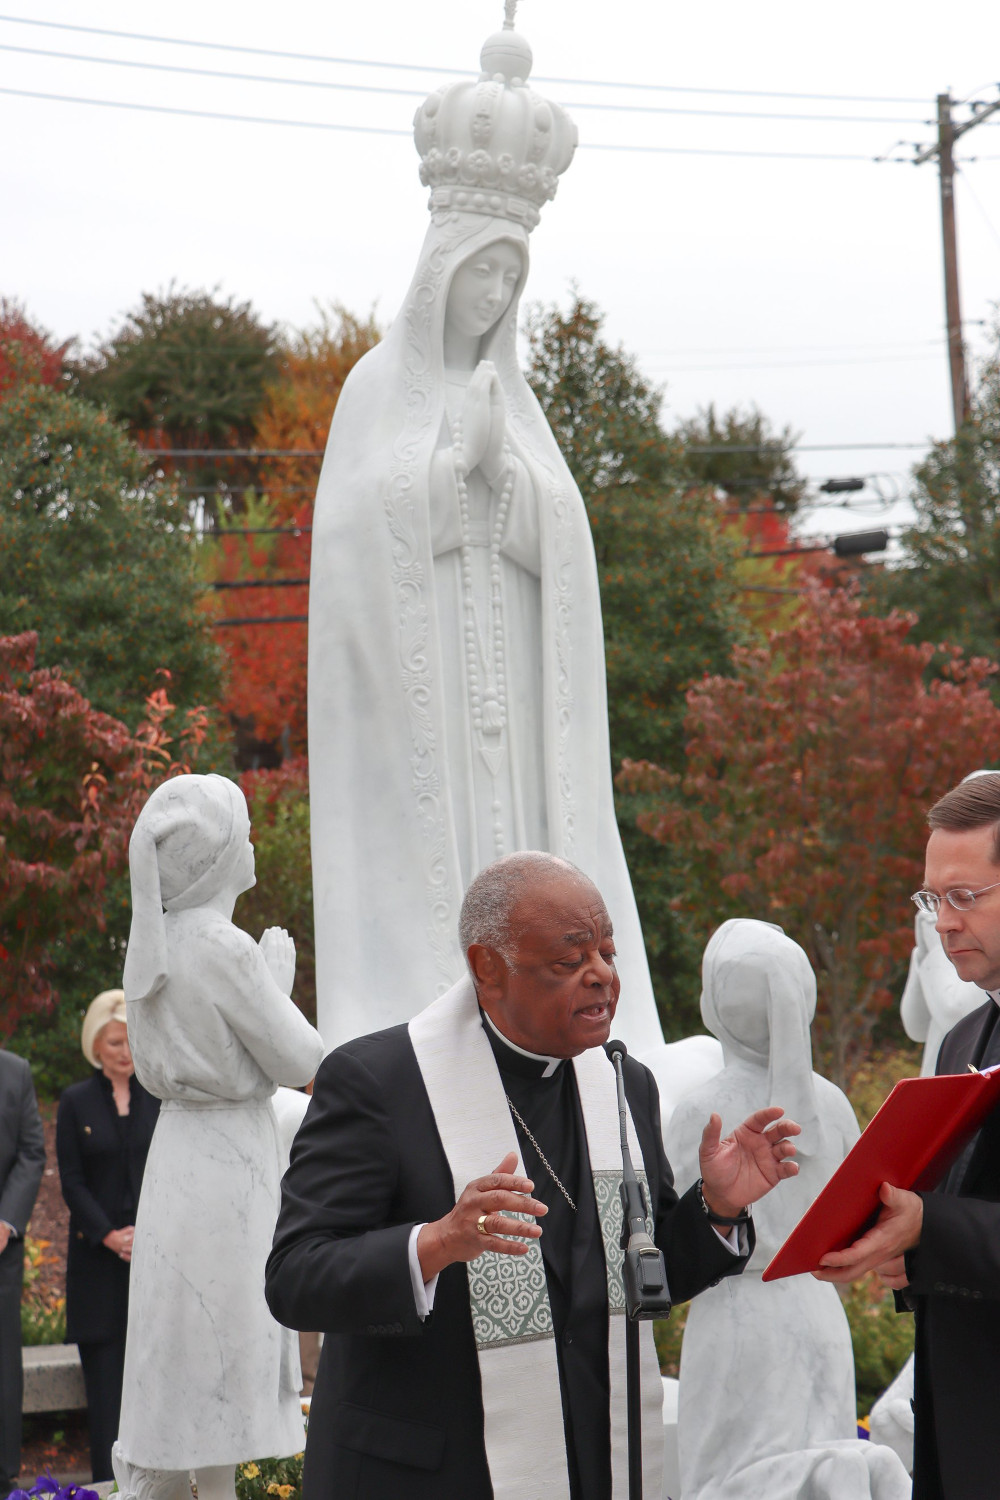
747,1164
457,1236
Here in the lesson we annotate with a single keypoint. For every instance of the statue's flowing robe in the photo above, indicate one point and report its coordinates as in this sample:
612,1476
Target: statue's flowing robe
405,809
786,1341
210,1377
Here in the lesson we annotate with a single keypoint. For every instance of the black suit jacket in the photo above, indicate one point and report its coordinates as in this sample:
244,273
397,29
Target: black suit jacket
955,1293
397,1409
22,1142
101,1162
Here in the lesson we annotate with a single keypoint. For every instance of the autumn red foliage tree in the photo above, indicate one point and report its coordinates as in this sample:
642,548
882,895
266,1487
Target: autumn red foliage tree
266,690
27,352
72,781
809,774
313,364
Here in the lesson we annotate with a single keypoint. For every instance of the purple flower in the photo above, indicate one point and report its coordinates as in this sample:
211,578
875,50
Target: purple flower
45,1484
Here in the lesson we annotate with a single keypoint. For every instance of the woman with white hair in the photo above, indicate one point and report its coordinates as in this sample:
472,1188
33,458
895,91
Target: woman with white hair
103,1133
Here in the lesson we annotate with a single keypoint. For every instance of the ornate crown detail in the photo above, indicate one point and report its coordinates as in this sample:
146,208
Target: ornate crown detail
494,146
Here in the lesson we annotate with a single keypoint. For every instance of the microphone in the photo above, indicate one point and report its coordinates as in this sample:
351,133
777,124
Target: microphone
644,1273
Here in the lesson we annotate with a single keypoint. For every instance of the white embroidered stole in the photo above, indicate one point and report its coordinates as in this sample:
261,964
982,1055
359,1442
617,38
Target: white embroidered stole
511,1316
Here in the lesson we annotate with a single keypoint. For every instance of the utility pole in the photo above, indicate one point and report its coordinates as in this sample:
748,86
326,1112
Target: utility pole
952,304
948,134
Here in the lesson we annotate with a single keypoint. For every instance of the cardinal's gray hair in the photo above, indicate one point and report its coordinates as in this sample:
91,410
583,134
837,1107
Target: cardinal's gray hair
490,900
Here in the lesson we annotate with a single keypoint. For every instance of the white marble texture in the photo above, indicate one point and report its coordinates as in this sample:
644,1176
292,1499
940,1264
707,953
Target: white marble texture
671,1462
767,1406
290,1107
891,1418
210,1378
457,696
679,1068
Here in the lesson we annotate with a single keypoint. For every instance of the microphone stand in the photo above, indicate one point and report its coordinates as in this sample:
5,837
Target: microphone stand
644,1276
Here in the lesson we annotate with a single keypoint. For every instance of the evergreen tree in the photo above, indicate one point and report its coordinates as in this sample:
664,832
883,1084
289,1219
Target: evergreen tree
759,464
950,567
187,370
97,558
667,594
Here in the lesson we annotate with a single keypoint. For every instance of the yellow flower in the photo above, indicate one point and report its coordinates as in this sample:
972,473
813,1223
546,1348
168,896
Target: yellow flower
272,1489
251,1471
284,1490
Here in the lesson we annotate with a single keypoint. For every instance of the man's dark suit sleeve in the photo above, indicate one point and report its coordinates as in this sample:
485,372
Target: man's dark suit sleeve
20,1187
695,1256
339,1263
959,1250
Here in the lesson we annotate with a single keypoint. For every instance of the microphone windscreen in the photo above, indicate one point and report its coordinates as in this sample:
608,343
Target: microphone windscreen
612,1047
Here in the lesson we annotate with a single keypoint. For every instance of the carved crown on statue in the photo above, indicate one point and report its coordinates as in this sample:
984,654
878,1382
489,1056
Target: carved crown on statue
494,146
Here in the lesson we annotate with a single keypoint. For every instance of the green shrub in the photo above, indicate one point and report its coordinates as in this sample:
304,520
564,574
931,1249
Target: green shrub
668,1334
43,1315
882,1338
270,1479
873,1081
43,1320
279,813
50,1044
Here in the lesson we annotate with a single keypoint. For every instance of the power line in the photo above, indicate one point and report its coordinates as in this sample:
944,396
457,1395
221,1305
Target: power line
976,200
798,364
379,88
262,620
262,583
918,344
203,114
356,62
775,446
209,114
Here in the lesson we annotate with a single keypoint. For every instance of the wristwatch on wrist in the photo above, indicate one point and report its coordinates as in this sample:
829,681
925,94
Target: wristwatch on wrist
743,1217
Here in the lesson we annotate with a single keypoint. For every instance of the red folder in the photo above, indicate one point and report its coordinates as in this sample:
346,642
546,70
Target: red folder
920,1130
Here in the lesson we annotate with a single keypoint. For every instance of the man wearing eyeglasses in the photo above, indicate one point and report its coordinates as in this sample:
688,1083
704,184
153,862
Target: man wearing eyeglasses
940,1251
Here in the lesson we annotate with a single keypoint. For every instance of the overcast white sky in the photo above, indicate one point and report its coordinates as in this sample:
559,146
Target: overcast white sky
810,287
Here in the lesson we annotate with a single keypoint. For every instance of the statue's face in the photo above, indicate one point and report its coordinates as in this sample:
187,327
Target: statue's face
246,872
482,288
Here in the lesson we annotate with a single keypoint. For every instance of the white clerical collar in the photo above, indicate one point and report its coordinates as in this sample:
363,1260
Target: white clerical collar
539,1057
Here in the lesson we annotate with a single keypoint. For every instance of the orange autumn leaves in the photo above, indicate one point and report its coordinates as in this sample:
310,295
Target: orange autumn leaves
266,687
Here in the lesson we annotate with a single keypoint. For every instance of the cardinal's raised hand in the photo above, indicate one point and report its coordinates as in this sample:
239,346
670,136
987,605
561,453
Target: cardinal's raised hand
740,1168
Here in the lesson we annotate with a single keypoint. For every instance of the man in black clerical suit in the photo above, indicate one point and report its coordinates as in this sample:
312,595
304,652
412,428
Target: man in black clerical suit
940,1251
371,1245
22,1161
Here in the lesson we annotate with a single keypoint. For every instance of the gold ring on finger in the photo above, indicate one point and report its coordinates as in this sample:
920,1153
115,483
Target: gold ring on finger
481,1224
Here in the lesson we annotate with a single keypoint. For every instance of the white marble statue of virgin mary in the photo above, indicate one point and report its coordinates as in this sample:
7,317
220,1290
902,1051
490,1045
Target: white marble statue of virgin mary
457,699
